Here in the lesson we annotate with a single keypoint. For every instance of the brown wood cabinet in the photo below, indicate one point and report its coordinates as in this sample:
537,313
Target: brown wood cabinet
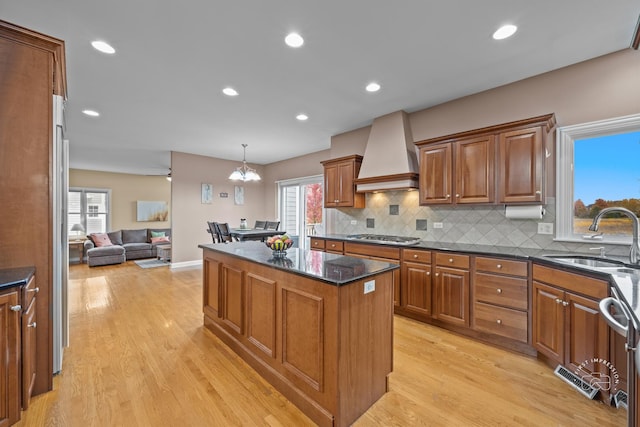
327,348
497,164
436,174
451,289
33,70
339,183
29,340
10,348
521,165
416,282
501,297
567,326
458,171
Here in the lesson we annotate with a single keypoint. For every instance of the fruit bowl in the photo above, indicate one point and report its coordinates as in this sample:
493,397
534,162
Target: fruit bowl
279,244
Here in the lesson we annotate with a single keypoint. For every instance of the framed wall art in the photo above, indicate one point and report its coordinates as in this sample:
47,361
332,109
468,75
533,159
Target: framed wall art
206,193
152,211
239,195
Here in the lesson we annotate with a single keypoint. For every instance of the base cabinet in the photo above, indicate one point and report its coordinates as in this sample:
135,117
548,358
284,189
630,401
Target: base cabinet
451,289
501,298
416,288
10,356
567,326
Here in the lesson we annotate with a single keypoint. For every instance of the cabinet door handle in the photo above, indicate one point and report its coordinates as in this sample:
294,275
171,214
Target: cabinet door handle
16,307
447,196
36,290
450,259
457,195
538,192
428,273
499,266
499,322
558,301
499,290
32,325
565,303
415,256
437,274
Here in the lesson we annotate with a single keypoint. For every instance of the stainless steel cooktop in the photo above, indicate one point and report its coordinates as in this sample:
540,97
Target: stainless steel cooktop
383,238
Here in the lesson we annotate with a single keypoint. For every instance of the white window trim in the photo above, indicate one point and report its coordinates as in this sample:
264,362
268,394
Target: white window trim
565,137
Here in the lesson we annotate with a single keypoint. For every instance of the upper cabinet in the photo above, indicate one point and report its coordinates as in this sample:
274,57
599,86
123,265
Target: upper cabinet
497,164
521,160
339,182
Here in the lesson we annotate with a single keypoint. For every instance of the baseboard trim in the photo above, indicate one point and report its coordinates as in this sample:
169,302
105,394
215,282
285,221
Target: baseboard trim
186,264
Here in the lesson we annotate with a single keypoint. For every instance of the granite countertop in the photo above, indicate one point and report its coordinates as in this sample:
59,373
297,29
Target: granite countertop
626,282
333,269
12,277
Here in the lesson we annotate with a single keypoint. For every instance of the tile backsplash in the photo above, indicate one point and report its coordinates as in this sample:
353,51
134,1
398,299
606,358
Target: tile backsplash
482,225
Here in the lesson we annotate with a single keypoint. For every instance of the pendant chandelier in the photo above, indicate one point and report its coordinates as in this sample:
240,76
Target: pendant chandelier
244,172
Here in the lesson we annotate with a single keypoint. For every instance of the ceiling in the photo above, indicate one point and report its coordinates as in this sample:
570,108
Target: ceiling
161,90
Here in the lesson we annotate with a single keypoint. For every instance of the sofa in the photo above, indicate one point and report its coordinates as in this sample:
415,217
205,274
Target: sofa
119,246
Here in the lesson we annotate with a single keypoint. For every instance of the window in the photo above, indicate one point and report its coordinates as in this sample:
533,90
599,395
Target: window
300,208
597,167
89,207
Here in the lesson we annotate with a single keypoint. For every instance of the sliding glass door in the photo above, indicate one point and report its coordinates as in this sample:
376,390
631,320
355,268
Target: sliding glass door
300,208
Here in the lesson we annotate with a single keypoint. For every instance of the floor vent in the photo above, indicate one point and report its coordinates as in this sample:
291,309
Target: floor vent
620,399
576,382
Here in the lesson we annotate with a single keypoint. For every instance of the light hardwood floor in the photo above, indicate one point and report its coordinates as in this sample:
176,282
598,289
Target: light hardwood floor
139,356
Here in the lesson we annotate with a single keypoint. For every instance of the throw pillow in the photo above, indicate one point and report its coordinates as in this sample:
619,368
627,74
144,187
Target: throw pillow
160,239
101,239
157,234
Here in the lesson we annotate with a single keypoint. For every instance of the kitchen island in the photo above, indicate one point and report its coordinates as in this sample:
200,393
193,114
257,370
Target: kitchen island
317,326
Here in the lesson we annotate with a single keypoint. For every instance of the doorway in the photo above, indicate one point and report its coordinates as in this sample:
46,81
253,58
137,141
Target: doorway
301,208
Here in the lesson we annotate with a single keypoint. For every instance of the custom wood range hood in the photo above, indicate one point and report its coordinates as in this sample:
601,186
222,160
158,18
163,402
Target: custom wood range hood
389,161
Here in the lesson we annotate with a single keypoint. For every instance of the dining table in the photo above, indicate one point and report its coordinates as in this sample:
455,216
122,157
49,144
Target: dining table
253,233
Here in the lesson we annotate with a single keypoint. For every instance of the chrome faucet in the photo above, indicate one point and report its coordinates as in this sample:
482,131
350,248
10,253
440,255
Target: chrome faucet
634,254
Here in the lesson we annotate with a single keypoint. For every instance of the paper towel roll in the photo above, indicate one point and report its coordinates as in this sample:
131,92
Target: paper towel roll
524,212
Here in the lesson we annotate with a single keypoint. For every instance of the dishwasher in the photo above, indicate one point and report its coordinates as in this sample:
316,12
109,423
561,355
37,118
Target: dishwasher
625,324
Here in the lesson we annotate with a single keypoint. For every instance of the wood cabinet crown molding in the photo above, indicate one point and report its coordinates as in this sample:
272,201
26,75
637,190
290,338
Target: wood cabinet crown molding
547,121
38,40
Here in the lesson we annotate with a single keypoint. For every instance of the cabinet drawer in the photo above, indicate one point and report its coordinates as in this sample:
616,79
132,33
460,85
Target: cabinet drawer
502,266
501,321
577,283
317,244
372,250
501,290
334,246
452,260
415,255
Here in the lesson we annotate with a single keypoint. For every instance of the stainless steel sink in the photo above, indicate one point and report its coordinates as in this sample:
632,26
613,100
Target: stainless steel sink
626,270
586,260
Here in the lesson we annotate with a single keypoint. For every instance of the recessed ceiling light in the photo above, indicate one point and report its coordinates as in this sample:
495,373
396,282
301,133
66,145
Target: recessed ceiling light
103,47
302,117
373,87
229,91
294,40
504,32
91,113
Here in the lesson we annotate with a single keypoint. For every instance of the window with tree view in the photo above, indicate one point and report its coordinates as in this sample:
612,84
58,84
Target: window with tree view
599,167
607,173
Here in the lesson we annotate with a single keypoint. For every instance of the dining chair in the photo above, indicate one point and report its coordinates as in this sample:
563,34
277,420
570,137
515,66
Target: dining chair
213,231
260,225
272,225
224,232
